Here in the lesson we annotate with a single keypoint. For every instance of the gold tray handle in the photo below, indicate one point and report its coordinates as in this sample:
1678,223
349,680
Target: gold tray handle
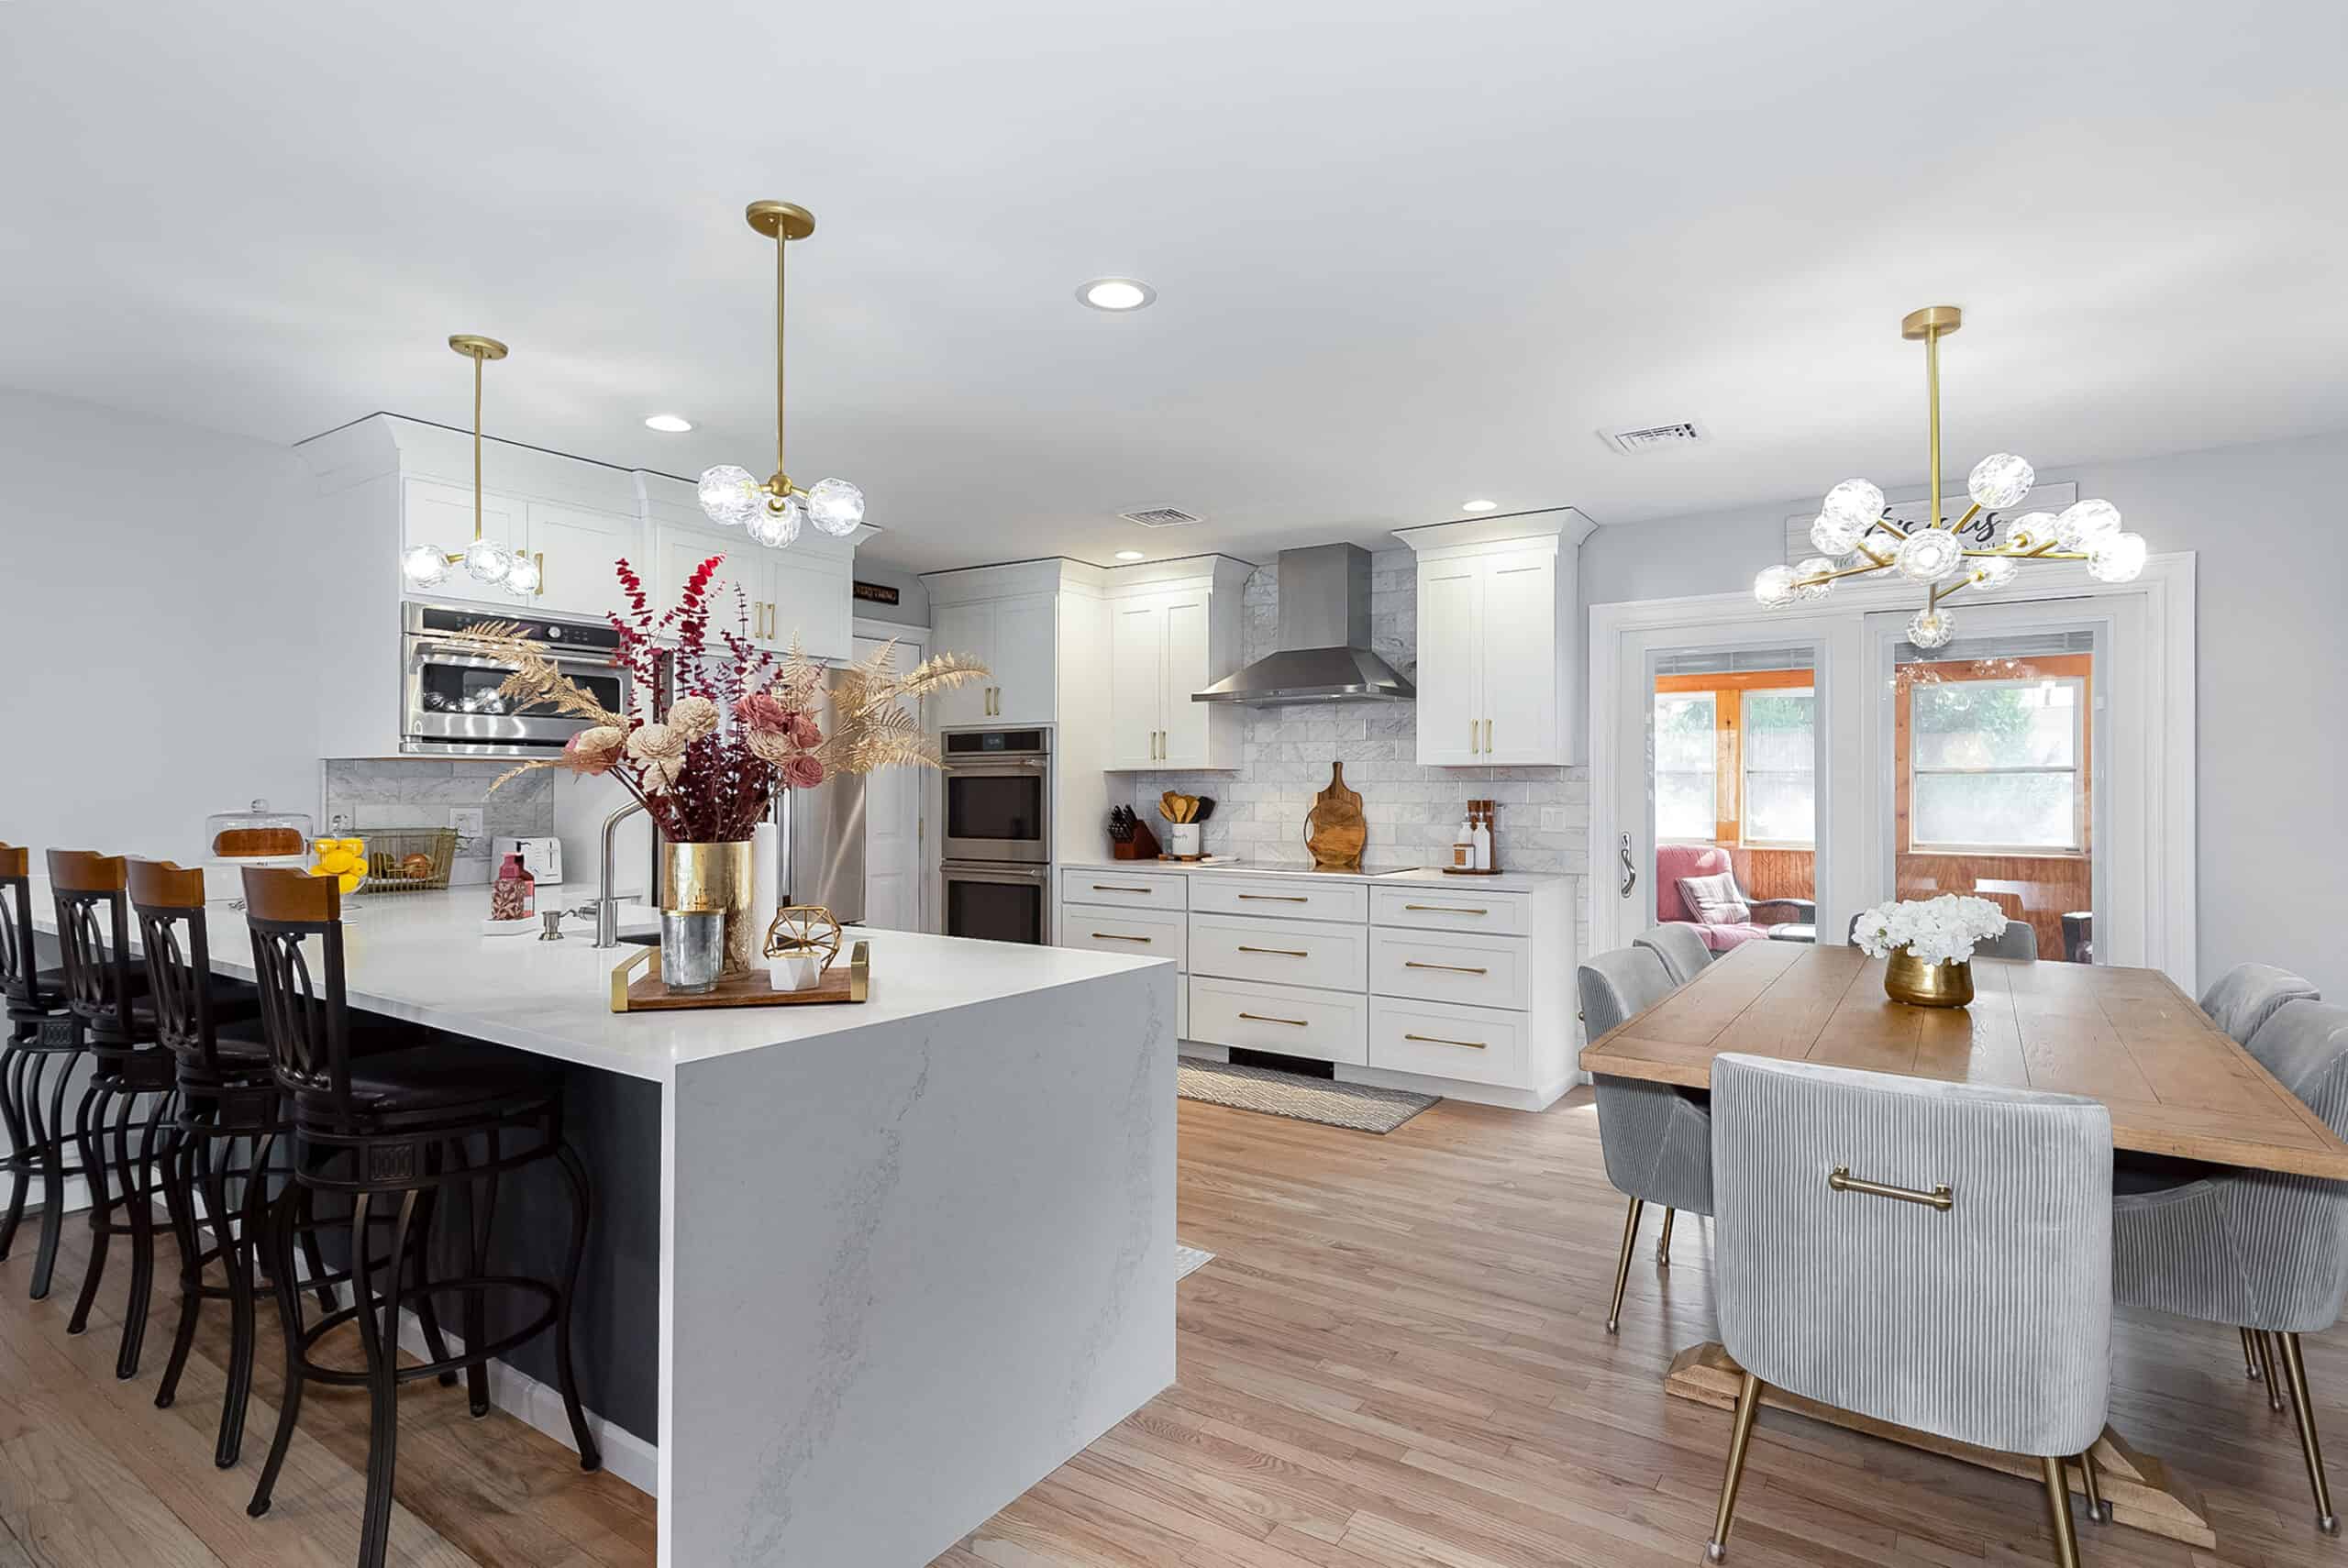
625,972
1841,1179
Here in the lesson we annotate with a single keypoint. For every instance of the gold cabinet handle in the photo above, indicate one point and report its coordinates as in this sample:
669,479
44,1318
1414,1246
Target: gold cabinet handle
1439,1040
1260,1017
1471,736
1276,952
1488,737
1112,936
540,560
1444,909
1841,1179
1454,969
1114,888
1277,897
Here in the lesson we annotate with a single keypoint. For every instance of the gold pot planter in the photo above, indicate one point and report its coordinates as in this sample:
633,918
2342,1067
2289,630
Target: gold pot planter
1907,979
706,892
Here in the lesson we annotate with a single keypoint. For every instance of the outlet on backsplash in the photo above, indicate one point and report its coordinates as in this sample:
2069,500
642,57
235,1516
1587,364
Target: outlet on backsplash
466,820
1558,819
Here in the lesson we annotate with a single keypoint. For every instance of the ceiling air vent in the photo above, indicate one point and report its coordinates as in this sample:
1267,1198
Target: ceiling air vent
1161,517
1654,437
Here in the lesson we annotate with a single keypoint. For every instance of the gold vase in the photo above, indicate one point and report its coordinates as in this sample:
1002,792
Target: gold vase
706,893
1907,979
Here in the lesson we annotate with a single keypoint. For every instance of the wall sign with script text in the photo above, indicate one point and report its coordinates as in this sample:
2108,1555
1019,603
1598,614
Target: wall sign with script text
1978,534
882,593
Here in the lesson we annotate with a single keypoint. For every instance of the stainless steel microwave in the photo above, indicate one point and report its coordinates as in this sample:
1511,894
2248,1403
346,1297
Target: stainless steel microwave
998,795
452,705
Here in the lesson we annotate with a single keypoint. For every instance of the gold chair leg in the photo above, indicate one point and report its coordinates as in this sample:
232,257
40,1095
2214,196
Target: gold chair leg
2295,1369
2059,1511
2098,1511
2249,1357
1623,1264
1662,1246
2267,1369
1748,1405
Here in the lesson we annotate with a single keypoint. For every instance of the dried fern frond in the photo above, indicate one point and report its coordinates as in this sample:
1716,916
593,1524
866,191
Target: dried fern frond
938,672
536,681
516,771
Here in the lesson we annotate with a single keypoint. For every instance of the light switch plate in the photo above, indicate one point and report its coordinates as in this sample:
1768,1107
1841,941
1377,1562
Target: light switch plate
1554,819
466,820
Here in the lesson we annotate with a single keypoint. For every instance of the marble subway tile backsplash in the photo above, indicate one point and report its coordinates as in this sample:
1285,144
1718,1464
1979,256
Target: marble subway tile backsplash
420,792
1413,813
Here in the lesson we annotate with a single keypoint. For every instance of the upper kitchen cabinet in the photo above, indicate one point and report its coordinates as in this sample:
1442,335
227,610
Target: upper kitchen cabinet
1017,639
1170,635
441,515
804,590
576,549
1500,671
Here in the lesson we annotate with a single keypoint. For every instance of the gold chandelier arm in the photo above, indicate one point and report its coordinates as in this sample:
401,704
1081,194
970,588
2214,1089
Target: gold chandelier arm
1879,560
1889,526
1970,513
1832,575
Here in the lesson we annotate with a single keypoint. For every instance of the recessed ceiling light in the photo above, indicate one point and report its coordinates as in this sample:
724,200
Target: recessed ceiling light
1479,506
1129,555
670,422
1116,293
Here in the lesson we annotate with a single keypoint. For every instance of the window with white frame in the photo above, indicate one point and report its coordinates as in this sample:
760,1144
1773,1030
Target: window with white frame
1686,767
1781,759
1996,767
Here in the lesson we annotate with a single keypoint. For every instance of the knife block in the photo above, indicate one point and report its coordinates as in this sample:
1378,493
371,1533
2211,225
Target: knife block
1143,847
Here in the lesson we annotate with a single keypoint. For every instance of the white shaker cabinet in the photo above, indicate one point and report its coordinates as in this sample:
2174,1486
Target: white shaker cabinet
797,591
1169,637
1499,668
1015,638
441,515
575,550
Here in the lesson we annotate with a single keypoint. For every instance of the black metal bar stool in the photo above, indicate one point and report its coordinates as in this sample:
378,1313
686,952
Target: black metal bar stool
44,1046
396,1128
131,1077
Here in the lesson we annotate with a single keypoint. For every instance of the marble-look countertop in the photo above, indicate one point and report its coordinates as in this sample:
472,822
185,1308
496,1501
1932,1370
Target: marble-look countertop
421,956
1419,877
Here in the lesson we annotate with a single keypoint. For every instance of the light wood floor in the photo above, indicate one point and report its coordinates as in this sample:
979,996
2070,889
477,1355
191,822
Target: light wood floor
1397,1358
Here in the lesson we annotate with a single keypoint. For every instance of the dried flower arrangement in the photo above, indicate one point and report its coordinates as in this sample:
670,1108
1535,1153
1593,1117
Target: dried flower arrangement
742,724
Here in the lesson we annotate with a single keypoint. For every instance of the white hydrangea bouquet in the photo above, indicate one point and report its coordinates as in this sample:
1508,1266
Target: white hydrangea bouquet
1934,930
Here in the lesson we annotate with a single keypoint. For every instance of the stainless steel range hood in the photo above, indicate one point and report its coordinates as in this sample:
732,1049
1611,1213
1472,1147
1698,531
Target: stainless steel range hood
1324,638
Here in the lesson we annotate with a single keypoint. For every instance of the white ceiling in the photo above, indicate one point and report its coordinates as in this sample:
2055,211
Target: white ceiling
1405,254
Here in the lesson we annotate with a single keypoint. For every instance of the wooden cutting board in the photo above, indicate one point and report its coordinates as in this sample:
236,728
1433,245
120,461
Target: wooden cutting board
1334,829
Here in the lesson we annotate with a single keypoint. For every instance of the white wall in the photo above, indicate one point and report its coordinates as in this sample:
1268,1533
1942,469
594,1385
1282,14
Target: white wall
2265,523
154,615
912,608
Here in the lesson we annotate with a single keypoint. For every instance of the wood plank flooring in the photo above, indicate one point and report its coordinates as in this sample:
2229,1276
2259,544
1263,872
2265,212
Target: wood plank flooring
1398,1357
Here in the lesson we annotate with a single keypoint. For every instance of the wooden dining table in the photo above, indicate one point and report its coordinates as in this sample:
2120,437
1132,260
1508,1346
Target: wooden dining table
2174,1083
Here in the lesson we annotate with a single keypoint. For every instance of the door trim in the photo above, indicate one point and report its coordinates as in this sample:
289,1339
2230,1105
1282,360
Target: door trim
2162,706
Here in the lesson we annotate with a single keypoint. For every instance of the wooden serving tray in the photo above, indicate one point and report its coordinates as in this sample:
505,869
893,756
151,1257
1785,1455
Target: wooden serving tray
848,982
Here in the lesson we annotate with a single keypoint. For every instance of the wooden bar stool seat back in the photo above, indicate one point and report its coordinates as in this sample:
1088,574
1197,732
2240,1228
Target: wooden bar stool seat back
44,1048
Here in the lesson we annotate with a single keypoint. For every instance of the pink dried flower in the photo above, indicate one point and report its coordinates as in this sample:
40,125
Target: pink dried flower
763,710
803,773
805,731
592,751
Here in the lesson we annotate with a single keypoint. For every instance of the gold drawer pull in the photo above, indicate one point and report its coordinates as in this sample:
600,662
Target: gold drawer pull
1112,936
1281,952
1444,909
1439,1040
1113,888
1260,1017
1841,1179
1454,969
1277,897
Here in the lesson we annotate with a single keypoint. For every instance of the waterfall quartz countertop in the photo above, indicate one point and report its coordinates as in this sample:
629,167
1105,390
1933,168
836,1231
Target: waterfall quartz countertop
421,956
1412,877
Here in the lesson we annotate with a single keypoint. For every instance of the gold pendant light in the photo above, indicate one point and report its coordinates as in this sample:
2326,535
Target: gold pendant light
485,560
1855,537
773,510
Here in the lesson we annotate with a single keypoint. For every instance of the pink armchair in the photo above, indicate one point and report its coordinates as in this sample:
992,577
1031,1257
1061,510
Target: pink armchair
1673,861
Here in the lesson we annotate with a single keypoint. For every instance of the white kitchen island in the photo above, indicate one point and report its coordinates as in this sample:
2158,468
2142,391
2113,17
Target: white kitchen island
912,1253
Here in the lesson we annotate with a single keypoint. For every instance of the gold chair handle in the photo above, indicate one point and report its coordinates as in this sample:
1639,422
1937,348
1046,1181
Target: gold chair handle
1112,936
1277,897
1260,1017
1454,969
1280,951
1841,1179
1439,1040
1444,909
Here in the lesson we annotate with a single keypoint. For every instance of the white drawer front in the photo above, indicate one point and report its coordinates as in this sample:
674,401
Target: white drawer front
1482,1044
1285,952
1290,898
1441,966
1325,1025
1123,889
1444,909
1139,934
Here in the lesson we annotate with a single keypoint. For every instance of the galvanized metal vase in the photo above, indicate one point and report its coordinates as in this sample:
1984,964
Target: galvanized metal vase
701,885
1907,979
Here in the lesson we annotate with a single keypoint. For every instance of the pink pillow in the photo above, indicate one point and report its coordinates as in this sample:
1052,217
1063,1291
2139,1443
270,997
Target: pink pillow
1714,900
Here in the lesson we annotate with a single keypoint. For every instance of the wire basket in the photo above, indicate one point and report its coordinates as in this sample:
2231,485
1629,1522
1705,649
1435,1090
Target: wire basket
407,860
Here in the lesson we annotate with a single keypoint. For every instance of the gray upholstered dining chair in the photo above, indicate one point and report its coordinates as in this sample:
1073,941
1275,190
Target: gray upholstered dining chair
2247,995
1935,1255
1683,952
2019,940
2265,1252
1657,1140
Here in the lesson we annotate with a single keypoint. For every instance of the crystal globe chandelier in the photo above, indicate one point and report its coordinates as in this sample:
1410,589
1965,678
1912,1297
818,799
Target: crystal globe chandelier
774,509
1855,537
486,562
